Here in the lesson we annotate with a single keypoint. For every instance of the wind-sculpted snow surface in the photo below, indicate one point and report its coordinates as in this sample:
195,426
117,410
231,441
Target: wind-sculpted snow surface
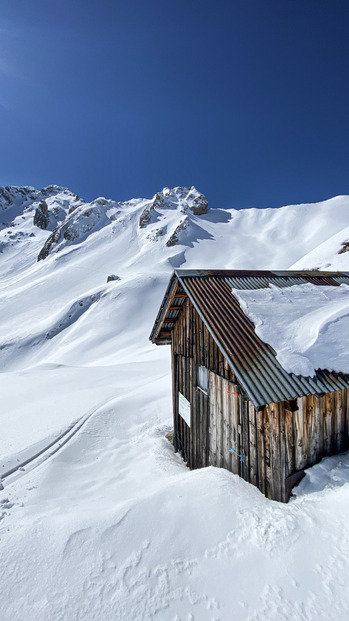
304,324
106,522
116,528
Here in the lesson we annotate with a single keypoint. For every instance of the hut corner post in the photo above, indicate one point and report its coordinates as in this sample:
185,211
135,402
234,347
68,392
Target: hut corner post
174,363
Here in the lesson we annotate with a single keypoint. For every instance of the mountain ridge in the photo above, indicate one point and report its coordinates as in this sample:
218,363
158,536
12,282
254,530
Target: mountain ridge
177,216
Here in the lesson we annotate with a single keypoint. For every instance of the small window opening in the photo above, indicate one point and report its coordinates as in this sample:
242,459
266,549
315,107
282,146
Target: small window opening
291,405
202,379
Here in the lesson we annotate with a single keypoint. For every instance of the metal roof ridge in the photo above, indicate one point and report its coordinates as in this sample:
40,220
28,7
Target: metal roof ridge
188,272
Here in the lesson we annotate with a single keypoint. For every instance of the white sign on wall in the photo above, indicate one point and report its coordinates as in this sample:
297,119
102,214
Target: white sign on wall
184,408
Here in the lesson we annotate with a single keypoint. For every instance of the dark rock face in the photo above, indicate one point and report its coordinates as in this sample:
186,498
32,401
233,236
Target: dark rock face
146,216
344,248
113,277
77,224
174,239
53,239
41,216
10,195
5,197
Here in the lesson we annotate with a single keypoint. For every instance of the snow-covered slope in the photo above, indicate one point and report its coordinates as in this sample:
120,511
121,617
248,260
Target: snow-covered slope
102,521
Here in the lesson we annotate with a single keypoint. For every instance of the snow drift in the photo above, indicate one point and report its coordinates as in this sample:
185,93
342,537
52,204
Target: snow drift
305,325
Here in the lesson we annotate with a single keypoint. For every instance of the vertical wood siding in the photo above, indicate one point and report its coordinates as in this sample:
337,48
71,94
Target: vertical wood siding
267,447
191,339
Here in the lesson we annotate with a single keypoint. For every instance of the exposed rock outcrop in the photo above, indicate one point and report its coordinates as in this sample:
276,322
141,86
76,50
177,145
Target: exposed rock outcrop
174,239
41,216
113,277
13,195
181,198
344,248
77,225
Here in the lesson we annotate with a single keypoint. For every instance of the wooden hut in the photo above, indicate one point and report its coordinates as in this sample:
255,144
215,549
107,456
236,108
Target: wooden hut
234,405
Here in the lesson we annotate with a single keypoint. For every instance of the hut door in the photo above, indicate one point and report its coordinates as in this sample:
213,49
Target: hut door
225,424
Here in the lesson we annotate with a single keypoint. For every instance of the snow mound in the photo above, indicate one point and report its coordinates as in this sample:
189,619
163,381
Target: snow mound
304,324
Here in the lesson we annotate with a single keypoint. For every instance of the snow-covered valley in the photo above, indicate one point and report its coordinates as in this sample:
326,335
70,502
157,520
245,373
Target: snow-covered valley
99,518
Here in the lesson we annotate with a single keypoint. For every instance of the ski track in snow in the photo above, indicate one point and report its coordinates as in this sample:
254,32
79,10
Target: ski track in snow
46,451
105,523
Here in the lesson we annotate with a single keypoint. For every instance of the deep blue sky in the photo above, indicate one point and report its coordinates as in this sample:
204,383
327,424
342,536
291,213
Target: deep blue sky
248,100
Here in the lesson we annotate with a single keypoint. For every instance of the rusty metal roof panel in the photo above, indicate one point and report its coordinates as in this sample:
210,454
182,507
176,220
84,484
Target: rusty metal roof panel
341,279
253,361
263,283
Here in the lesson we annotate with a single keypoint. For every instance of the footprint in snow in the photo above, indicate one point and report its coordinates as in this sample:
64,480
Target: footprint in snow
6,504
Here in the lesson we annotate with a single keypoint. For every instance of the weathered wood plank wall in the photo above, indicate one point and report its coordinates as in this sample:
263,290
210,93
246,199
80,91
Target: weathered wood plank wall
193,346
191,339
277,441
270,445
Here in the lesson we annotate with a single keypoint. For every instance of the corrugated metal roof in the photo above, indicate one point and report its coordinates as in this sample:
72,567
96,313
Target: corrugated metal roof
253,361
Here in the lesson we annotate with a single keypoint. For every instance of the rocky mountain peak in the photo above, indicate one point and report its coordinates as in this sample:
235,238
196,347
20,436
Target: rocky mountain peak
183,199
